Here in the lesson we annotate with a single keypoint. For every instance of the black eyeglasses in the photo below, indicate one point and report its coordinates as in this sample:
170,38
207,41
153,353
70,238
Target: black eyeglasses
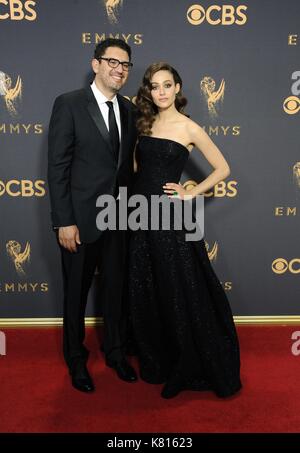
114,63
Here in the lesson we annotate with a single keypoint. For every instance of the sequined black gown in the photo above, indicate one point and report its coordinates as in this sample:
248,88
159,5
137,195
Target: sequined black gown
181,319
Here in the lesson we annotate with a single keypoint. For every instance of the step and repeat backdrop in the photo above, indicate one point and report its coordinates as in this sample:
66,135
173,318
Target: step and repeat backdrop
239,61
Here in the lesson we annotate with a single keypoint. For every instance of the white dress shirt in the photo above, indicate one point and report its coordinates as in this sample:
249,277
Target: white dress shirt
101,101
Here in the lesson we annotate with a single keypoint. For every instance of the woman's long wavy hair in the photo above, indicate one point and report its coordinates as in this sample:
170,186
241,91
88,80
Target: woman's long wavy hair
146,107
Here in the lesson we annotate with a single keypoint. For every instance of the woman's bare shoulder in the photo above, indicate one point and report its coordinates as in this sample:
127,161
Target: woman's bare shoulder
193,128
186,121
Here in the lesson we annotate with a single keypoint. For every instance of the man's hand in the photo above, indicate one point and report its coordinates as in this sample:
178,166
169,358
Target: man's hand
68,237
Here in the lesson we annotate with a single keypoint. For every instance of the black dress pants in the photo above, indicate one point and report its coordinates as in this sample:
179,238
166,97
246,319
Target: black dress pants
108,253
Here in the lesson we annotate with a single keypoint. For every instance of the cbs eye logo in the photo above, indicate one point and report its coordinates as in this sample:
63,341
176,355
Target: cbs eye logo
17,10
291,105
281,265
217,15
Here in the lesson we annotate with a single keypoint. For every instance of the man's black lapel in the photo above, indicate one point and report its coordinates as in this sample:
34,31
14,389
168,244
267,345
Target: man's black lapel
97,117
124,129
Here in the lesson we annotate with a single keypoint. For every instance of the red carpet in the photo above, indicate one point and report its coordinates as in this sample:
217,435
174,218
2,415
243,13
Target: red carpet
36,394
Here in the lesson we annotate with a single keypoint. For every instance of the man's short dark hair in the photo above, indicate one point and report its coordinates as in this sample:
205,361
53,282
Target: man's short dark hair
111,42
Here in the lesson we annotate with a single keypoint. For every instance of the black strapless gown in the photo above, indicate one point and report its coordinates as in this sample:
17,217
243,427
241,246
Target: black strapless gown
181,319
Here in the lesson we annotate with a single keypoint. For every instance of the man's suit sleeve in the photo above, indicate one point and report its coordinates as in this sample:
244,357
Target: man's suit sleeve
60,153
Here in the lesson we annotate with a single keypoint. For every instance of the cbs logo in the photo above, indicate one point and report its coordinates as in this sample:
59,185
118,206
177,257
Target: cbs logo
17,10
216,15
281,265
222,189
23,188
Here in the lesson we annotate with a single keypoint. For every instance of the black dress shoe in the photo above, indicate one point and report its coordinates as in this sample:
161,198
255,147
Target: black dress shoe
83,384
123,370
170,391
131,348
81,380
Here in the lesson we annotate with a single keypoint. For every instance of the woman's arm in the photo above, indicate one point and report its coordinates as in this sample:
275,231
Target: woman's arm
212,154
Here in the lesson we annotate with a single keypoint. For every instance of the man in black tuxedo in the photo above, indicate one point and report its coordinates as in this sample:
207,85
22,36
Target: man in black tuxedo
91,140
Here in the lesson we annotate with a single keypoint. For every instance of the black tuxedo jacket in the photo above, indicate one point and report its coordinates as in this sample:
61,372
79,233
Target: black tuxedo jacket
81,163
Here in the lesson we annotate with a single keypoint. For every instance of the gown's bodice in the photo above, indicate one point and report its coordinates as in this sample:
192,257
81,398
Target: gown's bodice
160,160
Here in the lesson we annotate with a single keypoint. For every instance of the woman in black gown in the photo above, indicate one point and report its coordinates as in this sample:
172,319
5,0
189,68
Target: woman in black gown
181,319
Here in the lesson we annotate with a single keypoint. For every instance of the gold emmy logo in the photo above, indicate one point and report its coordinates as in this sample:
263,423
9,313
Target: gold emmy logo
217,15
285,211
296,174
95,38
24,287
222,130
212,254
112,9
291,105
19,258
292,40
21,128
213,97
11,94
